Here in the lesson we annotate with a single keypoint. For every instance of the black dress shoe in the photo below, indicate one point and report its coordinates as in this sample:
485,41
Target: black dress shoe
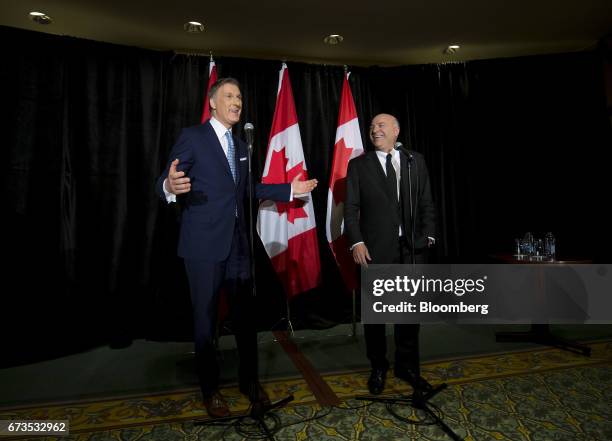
376,382
255,392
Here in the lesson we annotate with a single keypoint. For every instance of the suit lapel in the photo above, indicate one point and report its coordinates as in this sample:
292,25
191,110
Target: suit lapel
405,181
240,153
375,166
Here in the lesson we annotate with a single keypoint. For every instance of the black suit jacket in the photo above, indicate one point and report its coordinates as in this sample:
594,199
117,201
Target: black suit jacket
370,214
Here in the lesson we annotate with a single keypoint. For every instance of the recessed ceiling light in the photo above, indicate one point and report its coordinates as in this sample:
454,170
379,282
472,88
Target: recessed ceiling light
452,49
333,39
193,27
40,17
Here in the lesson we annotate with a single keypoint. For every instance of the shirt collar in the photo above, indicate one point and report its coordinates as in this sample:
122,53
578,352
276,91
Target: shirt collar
219,128
383,155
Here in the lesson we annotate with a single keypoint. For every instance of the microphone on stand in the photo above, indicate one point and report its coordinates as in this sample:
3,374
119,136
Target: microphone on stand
248,131
400,147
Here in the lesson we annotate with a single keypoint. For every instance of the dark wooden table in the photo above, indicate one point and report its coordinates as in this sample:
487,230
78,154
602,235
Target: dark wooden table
540,333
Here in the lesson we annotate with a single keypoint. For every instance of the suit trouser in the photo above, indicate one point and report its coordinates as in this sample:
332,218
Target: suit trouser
206,279
406,336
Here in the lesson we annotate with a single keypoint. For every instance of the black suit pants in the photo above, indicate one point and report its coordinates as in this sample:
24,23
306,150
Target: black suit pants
406,336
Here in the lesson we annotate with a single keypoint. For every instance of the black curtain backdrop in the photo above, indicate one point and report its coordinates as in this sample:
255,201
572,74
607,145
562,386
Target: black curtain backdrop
513,145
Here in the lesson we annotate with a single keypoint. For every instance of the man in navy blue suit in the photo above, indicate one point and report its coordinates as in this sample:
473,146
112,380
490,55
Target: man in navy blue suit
208,164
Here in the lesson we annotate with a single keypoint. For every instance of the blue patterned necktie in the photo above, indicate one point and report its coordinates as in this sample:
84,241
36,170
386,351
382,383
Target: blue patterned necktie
231,155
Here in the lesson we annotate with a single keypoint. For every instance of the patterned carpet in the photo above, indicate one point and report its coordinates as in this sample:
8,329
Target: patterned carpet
536,395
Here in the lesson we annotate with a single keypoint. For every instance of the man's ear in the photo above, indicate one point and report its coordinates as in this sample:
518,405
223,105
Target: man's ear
211,103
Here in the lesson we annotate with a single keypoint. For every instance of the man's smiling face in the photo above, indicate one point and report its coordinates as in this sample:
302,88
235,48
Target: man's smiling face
383,132
227,104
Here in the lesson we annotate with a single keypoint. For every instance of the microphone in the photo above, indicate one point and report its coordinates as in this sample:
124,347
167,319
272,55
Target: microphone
399,146
248,131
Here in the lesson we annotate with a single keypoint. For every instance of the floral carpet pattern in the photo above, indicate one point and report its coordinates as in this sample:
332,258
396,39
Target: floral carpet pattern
536,395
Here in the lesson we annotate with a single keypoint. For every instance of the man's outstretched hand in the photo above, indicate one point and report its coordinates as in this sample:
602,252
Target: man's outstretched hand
177,183
300,187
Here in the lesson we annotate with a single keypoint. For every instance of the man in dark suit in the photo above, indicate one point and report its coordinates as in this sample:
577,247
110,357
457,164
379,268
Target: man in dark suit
384,214
208,164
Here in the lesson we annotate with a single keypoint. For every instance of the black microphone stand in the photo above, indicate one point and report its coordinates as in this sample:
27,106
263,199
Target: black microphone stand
400,147
251,195
419,400
412,217
252,424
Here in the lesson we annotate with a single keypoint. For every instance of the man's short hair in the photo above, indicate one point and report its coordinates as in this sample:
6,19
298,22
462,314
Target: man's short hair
220,82
396,121
393,118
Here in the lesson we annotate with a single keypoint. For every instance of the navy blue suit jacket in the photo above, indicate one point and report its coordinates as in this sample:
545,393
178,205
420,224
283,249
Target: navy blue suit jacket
208,217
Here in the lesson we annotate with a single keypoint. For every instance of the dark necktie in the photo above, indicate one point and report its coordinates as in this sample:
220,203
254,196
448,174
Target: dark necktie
391,178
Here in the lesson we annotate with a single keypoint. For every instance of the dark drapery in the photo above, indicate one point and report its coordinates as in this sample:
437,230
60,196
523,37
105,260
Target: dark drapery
512,145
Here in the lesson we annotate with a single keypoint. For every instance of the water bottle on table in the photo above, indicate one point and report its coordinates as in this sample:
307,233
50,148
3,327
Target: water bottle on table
550,246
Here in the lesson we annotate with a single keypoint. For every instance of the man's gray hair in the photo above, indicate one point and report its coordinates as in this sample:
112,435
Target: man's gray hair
220,82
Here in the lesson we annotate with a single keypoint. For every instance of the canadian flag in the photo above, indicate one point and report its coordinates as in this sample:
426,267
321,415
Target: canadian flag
212,78
288,229
348,145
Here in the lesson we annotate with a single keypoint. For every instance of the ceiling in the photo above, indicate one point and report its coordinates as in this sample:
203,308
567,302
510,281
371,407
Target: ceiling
384,32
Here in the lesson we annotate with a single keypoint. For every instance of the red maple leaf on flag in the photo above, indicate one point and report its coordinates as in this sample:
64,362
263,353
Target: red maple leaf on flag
276,171
278,174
